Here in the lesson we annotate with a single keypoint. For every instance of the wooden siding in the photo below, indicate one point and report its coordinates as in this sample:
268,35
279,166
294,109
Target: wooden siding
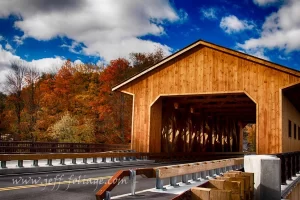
206,70
289,112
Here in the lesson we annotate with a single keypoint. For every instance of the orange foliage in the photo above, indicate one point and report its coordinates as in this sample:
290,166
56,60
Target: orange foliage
83,91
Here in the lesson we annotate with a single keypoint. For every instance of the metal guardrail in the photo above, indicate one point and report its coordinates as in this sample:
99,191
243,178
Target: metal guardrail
127,154
119,155
54,147
206,169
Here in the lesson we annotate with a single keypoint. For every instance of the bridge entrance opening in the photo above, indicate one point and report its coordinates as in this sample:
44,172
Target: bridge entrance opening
207,123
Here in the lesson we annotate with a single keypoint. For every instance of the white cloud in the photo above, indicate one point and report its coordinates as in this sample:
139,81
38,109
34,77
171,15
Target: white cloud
78,62
209,13
73,47
260,53
108,28
8,47
6,58
183,15
266,2
280,30
19,39
47,64
1,37
284,57
231,24
43,65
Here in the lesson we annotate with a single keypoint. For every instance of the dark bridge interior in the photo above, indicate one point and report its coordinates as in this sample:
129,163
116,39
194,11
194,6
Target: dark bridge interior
205,123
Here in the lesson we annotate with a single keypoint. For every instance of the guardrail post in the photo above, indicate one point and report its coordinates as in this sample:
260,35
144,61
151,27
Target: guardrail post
159,182
229,168
297,162
203,175
20,163
289,166
117,158
194,177
94,160
107,195
173,181
210,173
133,157
218,171
292,164
127,158
185,179
3,164
121,158
35,163
223,169
49,162
215,173
62,161
133,181
283,169
74,161
84,160
104,160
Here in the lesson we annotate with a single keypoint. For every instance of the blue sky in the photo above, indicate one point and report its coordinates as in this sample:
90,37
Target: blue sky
44,33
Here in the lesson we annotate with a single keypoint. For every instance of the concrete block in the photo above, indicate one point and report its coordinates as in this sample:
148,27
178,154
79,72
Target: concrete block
267,175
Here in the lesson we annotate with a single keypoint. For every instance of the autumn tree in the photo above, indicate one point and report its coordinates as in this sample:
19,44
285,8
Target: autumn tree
68,129
113,107
14,85
250,136
74,104
2,114
31,78
141,61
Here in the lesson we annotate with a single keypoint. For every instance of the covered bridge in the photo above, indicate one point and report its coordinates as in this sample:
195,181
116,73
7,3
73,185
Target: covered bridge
200,98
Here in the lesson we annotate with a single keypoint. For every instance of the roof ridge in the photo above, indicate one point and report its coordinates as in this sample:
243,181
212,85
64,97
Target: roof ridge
216,47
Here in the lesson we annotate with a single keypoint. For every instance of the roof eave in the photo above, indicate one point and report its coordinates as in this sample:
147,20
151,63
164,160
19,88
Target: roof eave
213,46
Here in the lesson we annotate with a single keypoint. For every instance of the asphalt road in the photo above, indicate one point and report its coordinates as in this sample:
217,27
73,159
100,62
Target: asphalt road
66,185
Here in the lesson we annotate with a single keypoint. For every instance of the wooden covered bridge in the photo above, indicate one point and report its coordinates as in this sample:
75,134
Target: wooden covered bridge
200,99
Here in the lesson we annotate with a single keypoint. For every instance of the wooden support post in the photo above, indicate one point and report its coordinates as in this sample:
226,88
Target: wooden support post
222,140
230,135
202,131
214,134
226,135
209,130
241,134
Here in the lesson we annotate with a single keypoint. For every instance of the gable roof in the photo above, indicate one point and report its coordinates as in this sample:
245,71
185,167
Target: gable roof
212,46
